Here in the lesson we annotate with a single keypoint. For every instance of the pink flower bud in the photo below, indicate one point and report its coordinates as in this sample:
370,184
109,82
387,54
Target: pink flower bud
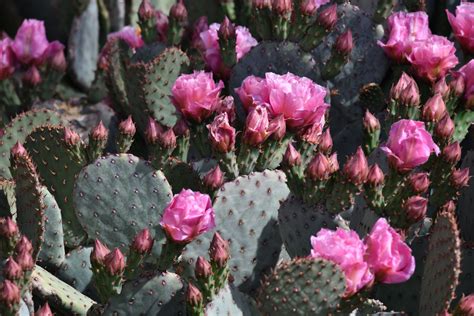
24,245
9,293
312,134
19,151
99,252
227,29
371,123
465,306
127,127
167,139
277,127
325,145
193,295
420,182
445,127
452,153
441,88
344,43
25,260
404,81
178,12
448,207
356,168
410,96
143,242
71,138
100,132
188,215
153,131
375,176
256,126
203,268
181,128
282,7
434,109
292,157
32,76
12,270
8,228
227,105
221,134
114,262
319,167
328,17
460,178
308,7
7,62
333,163
458,85
146,10
214,179
415,208
54,56
44,311
219,251
260,4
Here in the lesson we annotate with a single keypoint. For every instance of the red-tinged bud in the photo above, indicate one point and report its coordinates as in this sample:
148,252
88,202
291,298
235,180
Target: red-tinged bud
452,153
256,126
371,123
114,262
448,207
333,163
203,268
375,176
308,7
457,86
152,132
9,293
24,245
344,43
8,228
100,133
25,260
434,109
410,96
328,17
312,134
214,179
44,311
146,10
282,7
465,306
261,4
460,178
319,168
143,242
167,139
442,88
415,208
402,84
419,182
18,151
445,127
127,127
227,29
181,128
178,12
32,76
292,157
99,252
356,168
219,251
54,56
227,105
325,144
193,295
277,128
221,134
71,138
12,270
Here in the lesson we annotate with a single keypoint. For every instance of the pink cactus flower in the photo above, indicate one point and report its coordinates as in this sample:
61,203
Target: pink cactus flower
7,67
344,248
188,215
404,29
129,34
196,95
221,134
388,255
463,28
253,91
409,145
433,58
257,126
54,56
30,42
467,73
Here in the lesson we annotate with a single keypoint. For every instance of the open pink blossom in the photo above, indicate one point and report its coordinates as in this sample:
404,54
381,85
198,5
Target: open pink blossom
467,73
30,42
188,215
196,95
344,248
6,59
388,255
252,92
130,35
409,145
462,25
433,58
405,28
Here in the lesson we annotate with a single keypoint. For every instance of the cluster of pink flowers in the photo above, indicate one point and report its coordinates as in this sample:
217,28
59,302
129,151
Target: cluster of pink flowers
382,256
463,28
298,99
29,51
410,40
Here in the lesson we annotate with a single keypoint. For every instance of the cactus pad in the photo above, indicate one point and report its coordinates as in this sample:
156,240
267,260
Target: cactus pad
7,198
302,287
119,195
229,301
76,269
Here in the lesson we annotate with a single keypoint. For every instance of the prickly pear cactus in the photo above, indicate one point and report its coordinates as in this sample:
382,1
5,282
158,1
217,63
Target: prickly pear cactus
7,198
229,301
76,269
466,202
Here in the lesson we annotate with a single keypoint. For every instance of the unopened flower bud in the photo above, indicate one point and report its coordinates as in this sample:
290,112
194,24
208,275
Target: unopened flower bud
146,10
193,295
256,126
178,12
221,134
261,4
8,228
319,168
356,168
410,96
445,127
312,134
344,43
375,176
277,127
452,153
282,7
416,207
32,76
371,123
328,17
227,29
308,7
448,207
441,88
333,163
143,242
114,262
99,252
465,306
127,127
219,251
419,182
292,157
12,270
18,150
203,268
460,178
54,55
214,179
167,139
181,128
227,105
152,132
457,86
434,109
325,144
100,133
25,260
24,245
44,311
71,138
9,293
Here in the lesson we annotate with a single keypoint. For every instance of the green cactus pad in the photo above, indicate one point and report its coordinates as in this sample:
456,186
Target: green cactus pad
161,294
58,168
229,301
302,287
298,222
7,198
442,266
119,195
17,131
466,201
59,294
463,122
149,86
52,252
76,269
362,217
246,212
29,202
